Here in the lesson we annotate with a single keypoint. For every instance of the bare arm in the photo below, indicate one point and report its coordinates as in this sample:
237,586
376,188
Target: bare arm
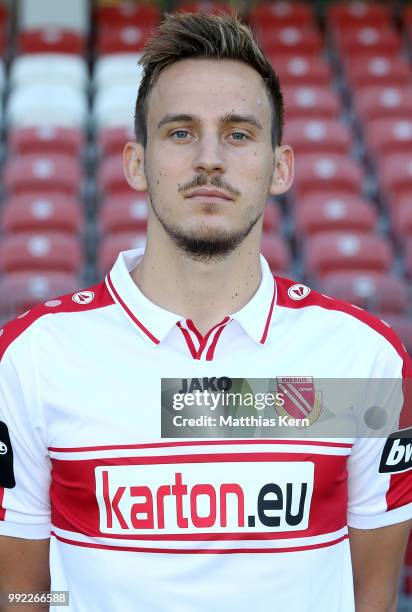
377,557
24,567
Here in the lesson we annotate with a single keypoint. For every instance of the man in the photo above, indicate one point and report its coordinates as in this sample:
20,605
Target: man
139,520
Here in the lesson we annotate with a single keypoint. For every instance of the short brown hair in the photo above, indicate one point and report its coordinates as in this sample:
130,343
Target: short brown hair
200,35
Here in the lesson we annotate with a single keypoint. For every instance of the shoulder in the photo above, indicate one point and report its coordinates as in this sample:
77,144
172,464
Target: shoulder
89,299
300,298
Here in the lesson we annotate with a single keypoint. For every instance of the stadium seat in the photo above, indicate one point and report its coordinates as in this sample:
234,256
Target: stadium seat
408,257
323,212
124,213
51,40
276,251
41,213
46,140
271,217
117,70
317,136
379,293
126,13
40,252
111,141
47,68
332,252
112,245
294,69
204,6
20,291
289,39
368,41
350,15
73,15
311,103
114,107
314,173
273,14
385,136
401,213
383,103
395,174
378,71
122,39
57,105
110,177
43,174
402,325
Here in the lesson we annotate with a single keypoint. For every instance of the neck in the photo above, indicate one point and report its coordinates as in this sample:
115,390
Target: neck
202,292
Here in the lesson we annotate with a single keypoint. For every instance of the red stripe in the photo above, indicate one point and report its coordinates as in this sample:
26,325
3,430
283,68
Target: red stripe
188,339
269,317
206,338
211,349
2,510
200,551
194,329
129,312
196,443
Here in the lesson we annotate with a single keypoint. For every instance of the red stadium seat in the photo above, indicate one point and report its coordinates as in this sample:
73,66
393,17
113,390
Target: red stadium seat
290,39
20,291
271,218
110,177
332,252
125,14
273,14
276,251
111,141
350,15
401,213
38,213
378,71
43,174
379,293
112,245
51,40
311,103
46,139
323,212
368,41
123,39
326,172
317,136
204,6
408,257
402,325
40,252
294,69
385,136
395,174
127,213
383,103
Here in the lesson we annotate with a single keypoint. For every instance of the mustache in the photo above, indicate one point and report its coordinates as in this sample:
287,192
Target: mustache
202,180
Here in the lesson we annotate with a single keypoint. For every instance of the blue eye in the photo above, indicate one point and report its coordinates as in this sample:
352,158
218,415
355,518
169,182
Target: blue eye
235,136
178,134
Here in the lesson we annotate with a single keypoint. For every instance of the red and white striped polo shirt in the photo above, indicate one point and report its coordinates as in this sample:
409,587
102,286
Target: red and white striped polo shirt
138,522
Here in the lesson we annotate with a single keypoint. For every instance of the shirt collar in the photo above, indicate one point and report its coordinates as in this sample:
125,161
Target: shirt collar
154,323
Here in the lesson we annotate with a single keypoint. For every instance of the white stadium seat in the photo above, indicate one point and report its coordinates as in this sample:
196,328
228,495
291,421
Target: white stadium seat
49,68
114,107
117,69
56,105
73,15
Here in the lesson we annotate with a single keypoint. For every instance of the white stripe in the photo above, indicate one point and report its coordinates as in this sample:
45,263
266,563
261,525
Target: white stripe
293,399
202,450
300,396
219,543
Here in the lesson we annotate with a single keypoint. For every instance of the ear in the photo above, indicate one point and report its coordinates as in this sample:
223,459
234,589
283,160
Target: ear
133,166
284,170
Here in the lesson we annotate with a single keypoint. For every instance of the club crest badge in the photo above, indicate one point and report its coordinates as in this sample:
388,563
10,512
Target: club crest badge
301,400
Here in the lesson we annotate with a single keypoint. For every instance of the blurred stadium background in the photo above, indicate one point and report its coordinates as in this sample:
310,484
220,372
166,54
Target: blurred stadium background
68,83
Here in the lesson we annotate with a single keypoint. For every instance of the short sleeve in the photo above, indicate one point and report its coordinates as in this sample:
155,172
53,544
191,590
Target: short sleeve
380,466
24,459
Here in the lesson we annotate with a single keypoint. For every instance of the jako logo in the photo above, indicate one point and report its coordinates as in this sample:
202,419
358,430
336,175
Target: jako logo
397,453
217,497
298,292
3,448
83,297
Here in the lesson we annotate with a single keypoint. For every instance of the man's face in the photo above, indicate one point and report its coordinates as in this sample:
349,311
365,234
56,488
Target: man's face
209,164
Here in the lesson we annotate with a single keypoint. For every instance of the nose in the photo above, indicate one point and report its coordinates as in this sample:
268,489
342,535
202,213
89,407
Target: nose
209,156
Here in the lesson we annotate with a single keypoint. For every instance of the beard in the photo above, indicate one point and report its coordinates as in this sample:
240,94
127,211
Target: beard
206,244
